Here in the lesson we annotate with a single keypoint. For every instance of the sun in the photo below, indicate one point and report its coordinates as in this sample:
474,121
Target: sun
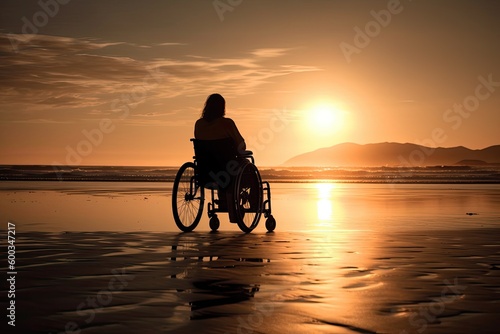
325,118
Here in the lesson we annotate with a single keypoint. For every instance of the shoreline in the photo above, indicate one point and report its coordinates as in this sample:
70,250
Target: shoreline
383,174
311,180
90,206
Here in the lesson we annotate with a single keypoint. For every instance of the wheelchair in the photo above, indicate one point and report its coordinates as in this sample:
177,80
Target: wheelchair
225,174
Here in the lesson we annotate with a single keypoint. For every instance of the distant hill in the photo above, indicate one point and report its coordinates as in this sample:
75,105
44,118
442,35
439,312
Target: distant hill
394,154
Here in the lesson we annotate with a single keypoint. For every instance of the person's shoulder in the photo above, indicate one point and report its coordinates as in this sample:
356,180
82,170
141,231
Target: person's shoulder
200,121
228,121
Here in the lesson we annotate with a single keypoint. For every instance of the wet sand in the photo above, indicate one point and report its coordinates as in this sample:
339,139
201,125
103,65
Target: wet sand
408,261
228,282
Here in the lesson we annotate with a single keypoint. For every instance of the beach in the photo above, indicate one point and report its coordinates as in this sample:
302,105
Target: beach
373,126
106,257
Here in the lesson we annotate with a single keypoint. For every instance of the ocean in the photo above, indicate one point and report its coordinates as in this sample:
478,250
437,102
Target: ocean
429,174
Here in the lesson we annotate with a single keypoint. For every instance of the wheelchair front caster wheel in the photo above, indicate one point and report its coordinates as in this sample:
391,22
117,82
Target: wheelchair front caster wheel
270,223
214,223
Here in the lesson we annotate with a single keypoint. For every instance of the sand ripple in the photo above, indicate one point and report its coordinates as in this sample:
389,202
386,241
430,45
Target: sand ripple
354,282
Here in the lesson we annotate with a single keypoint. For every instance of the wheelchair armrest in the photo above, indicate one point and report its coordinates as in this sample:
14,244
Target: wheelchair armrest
246,153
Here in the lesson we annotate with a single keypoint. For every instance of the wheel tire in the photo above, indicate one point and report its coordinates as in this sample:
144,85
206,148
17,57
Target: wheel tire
187,198
248,196
270,223
214,223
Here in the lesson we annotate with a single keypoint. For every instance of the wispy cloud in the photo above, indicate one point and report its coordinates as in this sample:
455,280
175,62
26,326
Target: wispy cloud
169,44
269,52
56,73
40,121
72,72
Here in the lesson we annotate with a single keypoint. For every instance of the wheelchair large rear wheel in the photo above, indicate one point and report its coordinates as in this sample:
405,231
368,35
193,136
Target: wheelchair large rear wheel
248,197
187,198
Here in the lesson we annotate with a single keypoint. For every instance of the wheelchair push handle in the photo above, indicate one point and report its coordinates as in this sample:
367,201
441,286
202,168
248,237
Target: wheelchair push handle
243,154
246,153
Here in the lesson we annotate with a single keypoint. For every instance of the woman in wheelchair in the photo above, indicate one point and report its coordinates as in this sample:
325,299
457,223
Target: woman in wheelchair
225,137
224,167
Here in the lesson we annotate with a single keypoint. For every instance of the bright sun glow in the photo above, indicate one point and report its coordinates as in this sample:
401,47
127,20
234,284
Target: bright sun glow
326,118
324,123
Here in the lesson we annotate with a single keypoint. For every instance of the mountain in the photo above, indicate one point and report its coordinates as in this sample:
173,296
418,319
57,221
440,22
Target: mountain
393,154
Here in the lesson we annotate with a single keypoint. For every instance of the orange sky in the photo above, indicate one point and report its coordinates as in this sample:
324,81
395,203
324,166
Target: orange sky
121,83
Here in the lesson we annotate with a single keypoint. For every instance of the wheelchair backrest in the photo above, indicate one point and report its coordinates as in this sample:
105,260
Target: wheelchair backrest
212,158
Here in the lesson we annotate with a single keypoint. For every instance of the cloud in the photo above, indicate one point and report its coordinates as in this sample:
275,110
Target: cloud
169,44
269,52
41,121
47,73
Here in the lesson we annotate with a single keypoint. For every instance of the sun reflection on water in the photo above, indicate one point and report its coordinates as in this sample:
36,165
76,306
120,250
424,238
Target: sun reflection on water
324,204
328,209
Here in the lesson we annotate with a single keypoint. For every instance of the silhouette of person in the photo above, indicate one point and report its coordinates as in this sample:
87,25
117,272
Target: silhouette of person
213,126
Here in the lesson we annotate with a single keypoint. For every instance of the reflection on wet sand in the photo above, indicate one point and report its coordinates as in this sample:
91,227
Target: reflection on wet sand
343,282
345,259
217,291
315,207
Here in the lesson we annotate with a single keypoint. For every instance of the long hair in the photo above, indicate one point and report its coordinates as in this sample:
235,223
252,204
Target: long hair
215,107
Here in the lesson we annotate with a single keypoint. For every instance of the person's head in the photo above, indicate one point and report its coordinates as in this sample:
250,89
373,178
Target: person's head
215,107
